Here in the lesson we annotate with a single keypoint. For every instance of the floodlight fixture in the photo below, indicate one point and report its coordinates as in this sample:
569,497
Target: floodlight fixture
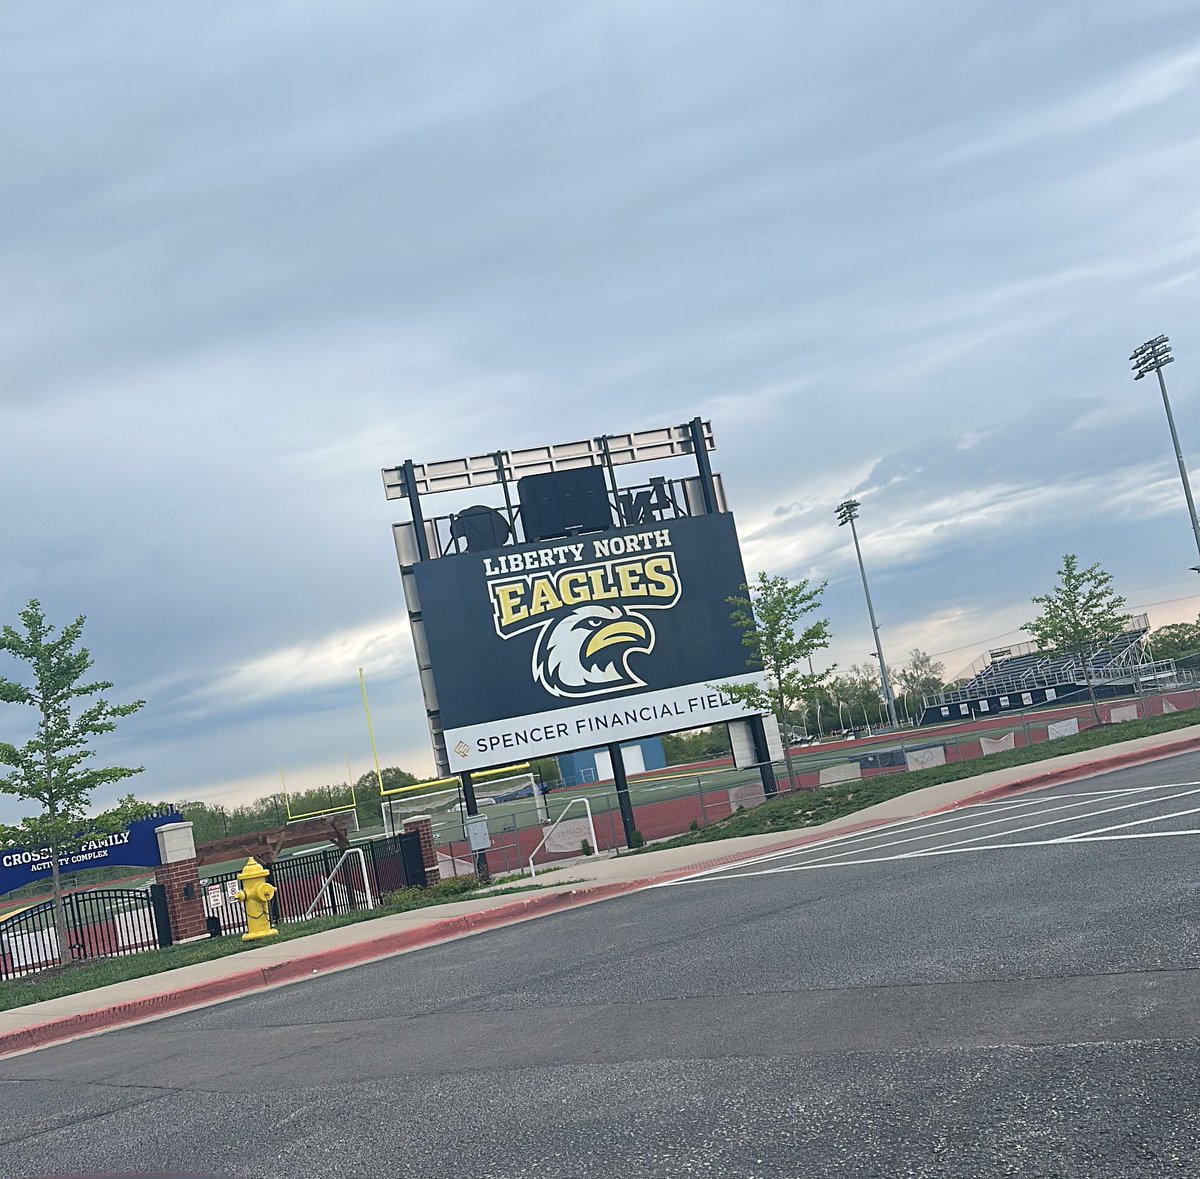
847,511
1151,357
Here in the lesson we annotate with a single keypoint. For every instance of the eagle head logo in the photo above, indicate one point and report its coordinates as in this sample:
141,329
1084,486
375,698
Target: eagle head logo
586,651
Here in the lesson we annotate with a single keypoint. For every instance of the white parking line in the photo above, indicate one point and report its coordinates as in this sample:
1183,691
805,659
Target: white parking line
896,826
1043,795
832,841
923,833
1131,835
1060,841
1136,823
1074,818
841,851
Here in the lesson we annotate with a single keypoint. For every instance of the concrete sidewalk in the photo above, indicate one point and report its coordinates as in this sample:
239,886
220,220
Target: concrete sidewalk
564,886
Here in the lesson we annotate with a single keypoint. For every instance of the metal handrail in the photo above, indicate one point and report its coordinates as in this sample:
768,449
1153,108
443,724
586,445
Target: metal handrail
550,830
362,861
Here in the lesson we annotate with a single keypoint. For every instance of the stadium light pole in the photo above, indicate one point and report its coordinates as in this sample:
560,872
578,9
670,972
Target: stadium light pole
847,513
1152,357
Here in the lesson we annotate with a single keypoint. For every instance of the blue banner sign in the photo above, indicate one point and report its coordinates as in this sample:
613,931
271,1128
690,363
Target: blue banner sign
136,846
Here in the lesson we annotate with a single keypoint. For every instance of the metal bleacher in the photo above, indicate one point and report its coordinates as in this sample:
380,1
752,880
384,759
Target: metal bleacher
1021,675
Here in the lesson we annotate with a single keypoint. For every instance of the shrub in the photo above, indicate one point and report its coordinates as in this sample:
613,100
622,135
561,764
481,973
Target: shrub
638,840
586,848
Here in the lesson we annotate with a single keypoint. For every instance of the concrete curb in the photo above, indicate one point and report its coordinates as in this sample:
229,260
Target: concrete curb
449,928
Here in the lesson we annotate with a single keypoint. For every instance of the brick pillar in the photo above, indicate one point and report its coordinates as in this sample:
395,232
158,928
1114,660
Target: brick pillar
178,870
423,826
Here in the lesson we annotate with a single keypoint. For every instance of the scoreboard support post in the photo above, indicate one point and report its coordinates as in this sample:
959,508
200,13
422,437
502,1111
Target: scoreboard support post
482,872
762,754
622,785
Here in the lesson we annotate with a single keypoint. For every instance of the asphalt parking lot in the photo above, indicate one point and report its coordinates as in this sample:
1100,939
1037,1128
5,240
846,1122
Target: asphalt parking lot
1009,989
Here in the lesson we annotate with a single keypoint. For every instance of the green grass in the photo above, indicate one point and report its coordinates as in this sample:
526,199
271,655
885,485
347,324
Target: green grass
810,808
52,984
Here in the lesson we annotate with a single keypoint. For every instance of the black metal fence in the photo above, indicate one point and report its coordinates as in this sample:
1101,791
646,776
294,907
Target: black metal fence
322,883
107,922
103,923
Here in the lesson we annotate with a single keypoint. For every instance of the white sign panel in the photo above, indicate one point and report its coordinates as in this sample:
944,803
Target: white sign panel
741,741
925,759
774,737
848,771
587,725
32,949
998,744
568,836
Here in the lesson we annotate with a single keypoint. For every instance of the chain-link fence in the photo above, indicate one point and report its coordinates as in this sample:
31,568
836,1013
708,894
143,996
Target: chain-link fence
671,802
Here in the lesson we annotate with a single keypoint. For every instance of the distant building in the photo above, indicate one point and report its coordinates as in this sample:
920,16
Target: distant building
595,765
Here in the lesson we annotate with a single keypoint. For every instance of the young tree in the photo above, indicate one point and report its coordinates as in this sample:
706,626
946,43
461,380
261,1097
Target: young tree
771,617
53,769
1081,613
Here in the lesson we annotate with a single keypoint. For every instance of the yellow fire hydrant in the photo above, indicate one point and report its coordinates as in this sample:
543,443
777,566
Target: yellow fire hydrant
256,895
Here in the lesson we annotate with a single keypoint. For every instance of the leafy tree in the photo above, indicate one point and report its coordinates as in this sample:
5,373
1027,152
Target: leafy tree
857,692
53,769
208,822
1082,612
823,708
696,745
271,810
771,617
1178,640
393,777
545,769
920,676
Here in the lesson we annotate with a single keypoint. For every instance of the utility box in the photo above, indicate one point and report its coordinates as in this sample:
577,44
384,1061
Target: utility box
475,827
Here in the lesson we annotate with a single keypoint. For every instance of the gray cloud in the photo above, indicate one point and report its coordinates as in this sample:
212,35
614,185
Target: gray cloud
251,255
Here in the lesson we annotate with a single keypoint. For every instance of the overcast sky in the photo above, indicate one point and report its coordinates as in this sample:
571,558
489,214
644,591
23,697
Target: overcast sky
252,253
